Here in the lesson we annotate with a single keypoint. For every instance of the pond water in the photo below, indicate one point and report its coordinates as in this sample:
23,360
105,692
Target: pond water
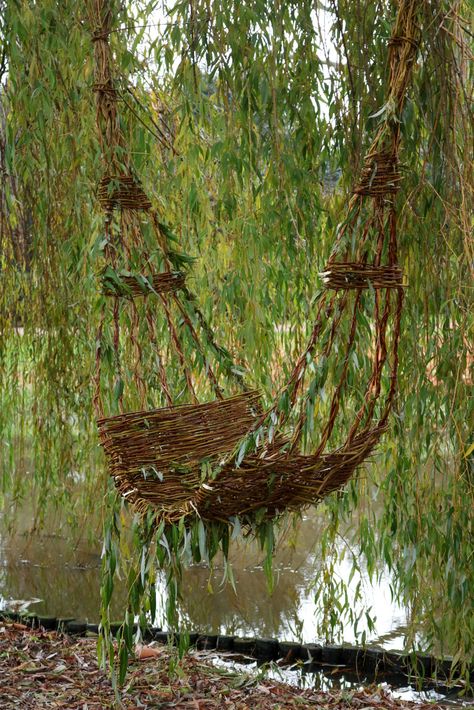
64,577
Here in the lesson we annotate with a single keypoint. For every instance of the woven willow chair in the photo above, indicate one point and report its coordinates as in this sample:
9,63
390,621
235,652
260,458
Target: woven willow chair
183,460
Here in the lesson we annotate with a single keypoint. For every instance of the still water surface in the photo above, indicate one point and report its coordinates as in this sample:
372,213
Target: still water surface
65,577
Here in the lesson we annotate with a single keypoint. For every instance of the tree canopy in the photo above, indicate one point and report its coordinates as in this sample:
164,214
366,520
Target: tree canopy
247,123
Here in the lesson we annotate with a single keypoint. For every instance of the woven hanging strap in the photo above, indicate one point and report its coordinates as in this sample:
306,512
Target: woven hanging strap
120,191
379,182
372,224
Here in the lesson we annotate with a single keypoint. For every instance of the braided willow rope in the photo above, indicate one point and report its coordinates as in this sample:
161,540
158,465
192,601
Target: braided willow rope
181,460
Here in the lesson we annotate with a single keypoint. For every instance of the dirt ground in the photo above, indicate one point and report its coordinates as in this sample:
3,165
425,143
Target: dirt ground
44,669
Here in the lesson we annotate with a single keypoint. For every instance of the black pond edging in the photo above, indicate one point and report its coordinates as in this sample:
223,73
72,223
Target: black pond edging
206,642
225,643
311,657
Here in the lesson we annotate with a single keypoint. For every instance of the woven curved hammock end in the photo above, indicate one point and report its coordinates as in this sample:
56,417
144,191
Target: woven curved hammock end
161,458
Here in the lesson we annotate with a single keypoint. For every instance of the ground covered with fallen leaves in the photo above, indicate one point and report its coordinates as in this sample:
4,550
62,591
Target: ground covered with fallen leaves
44,669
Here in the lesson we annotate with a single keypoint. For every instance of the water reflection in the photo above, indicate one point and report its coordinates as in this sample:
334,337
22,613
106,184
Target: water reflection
66,578
290,613
344,679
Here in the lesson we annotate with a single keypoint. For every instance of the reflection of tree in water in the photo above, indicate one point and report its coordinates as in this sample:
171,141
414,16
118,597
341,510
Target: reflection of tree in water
49,568
67,578
251,610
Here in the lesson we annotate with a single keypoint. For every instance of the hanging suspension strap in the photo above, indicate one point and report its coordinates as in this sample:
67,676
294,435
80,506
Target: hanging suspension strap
120,190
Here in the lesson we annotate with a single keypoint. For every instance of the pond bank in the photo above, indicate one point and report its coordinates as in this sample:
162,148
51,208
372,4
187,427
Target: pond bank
365,664
47,669
315,666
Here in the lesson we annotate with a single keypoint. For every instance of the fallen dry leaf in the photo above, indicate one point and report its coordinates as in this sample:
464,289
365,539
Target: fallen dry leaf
143,653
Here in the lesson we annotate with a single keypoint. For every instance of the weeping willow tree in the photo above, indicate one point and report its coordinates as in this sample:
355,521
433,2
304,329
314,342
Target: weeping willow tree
247,123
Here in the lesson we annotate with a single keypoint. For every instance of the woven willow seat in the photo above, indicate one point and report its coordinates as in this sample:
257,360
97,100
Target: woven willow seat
162,458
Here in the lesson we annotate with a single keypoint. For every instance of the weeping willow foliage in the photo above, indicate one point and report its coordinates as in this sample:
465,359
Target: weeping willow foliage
46,239
247,123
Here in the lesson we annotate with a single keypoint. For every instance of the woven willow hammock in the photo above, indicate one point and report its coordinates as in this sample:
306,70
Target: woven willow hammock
157,456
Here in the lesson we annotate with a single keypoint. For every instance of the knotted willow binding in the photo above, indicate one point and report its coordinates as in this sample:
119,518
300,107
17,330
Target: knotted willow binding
227,457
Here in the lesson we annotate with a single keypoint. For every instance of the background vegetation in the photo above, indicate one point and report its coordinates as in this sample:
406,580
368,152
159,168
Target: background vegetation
247,123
